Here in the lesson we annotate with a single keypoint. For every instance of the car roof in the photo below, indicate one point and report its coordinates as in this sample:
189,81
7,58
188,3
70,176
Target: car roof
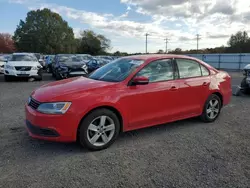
158,56
23,53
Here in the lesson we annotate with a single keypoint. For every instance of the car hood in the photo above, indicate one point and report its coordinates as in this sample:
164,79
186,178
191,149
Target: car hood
73,64
247,67
68,89
23,63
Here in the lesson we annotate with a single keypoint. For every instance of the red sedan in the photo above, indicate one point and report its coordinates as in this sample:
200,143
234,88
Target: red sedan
127,94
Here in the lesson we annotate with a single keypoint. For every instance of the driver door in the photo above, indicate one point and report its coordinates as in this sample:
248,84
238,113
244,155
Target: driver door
156,102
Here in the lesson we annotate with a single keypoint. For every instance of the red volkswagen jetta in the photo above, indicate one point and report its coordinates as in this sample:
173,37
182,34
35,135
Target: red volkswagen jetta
129,93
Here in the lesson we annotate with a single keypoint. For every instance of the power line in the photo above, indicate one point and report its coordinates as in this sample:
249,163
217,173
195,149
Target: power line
146,42
166,39
198,38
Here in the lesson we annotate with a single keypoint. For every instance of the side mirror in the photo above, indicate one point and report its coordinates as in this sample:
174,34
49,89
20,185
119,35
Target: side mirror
40,60
139,80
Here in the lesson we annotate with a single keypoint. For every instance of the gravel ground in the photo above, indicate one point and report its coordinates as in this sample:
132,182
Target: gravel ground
182,154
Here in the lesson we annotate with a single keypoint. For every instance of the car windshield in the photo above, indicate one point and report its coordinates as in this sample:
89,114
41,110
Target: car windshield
23,57
68,59
84,57
117,70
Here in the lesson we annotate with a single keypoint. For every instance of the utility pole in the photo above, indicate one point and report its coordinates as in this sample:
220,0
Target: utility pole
146,42
166,39
198,38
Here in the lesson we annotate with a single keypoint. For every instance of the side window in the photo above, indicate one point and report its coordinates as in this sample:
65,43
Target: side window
188,68
204,71
157,71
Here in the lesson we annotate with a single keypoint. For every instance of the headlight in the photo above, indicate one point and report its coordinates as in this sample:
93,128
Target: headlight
9,67
29,99
54,108
36,68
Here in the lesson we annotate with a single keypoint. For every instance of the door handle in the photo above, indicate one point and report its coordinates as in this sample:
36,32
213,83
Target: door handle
205,83
173,88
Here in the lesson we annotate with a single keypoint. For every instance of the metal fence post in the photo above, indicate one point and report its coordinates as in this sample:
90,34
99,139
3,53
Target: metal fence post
219,61
239,61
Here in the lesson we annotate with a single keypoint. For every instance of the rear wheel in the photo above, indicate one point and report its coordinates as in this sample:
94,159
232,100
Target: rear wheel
212,108
99,129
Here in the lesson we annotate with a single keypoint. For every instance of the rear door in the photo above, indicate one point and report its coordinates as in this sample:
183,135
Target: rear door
194,81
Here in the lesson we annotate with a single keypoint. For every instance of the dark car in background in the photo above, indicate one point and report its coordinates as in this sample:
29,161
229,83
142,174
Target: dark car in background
68,65
85,57
94,64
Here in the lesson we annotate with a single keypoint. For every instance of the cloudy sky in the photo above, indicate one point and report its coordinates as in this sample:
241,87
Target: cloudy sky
125,22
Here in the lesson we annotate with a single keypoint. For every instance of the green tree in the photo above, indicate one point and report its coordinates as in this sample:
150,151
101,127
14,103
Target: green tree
44,31
160,52
93,44
239,43
178,51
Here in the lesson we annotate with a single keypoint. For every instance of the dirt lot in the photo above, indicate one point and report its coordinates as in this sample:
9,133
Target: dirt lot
182,154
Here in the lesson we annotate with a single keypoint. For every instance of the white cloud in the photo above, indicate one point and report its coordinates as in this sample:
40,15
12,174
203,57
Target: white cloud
215,20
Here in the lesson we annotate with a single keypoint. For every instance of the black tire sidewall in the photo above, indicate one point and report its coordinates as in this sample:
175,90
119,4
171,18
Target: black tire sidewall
86,122
7,78
58,77
205,116
244,83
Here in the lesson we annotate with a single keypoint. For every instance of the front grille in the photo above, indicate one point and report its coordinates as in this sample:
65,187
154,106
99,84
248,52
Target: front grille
41,131
76,70
34,104
23,68
23,75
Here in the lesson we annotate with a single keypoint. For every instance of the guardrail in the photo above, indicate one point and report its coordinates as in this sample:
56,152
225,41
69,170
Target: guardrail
225,61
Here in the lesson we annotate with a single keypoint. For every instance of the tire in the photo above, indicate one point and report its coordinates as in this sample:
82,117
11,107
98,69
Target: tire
206,116
245,86
48,69
7,78
58,77
53,74
40,78
40,75
94,118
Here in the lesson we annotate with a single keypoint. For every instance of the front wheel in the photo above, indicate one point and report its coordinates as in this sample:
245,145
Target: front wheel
7,78
58,76
48,69
212,108
99,129
245,87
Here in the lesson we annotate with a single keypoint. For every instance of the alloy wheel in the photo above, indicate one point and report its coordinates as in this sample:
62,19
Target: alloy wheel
213,108
101,130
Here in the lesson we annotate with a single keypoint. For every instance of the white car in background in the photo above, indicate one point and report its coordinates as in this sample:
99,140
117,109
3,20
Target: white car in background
22,65
2,62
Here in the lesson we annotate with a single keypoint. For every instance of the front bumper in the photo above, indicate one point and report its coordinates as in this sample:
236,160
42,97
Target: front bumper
44,132
31,73
59,128
67,74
